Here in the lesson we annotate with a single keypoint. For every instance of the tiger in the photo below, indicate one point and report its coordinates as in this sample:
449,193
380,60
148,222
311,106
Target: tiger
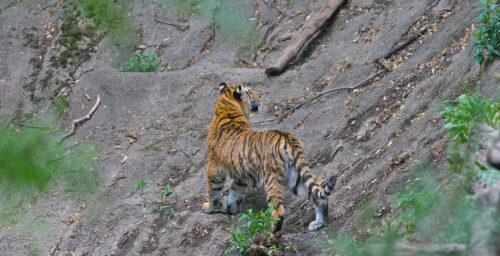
272,159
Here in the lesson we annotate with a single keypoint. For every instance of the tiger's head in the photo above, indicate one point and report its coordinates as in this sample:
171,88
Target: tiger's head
247,98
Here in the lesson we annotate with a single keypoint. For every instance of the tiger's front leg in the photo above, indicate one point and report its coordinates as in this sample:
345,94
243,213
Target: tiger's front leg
215,182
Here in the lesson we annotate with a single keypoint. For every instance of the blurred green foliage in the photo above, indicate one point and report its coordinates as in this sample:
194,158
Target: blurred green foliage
462,115
431,210
487,44
33,165
111,17
232,22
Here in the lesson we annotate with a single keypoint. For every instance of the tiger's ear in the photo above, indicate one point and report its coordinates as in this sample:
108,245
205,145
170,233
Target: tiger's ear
237,92
222,87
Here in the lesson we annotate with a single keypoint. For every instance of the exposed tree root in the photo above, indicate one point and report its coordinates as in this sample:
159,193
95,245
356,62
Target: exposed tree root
284,115
302,35
398,47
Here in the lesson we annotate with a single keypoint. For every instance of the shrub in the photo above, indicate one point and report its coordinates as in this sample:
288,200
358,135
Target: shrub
488,34
257,223
417,206
141,63
466,112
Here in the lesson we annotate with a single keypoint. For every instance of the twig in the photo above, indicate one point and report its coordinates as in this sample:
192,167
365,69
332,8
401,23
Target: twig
182,241
349,166
218,4
86,95
335,153
226,244
322,94
81,120
49,5
400,46
212,35
178,26
116,179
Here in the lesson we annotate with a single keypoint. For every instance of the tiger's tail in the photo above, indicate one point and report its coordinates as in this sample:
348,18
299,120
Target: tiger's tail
299,176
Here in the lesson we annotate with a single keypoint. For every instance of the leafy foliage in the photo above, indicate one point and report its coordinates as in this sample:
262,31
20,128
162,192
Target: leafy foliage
228,19
32,164
466,112
487,34
141,63
257,223
417,205
112,18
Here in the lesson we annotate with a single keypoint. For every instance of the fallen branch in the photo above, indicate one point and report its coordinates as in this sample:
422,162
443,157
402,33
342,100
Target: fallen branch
302,35
399,46
178,26
320,95
81,120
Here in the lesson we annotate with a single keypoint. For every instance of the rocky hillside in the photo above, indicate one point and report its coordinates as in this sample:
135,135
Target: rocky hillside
152,126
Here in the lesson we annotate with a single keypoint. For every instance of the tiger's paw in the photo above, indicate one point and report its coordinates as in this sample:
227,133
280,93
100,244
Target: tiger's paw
210,208
314,225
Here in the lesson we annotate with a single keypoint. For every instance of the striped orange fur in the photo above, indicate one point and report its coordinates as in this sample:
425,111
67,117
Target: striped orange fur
272,159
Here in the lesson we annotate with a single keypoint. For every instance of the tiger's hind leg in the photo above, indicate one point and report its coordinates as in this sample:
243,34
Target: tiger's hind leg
296,185
274,194
215,182
235,197
320,207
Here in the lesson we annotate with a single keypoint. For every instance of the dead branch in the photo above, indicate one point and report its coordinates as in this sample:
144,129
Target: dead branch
399,46
320,95
302,35
81,120
212,36
178,26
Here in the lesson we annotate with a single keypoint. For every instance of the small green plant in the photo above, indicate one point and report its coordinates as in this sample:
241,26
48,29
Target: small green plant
291,247
256,223
488,34
140,184
290,2
166,191
145,62
61,104
467,111
417,205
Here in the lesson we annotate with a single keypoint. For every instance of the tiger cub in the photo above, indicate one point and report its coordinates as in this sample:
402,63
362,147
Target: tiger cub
274,159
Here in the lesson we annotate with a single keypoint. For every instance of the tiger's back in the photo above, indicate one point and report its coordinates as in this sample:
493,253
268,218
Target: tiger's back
272,159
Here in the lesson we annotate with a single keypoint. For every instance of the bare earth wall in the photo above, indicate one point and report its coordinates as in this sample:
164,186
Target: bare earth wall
382,127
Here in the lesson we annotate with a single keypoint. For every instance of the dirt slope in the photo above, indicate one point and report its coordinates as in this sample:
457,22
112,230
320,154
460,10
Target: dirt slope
382,126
